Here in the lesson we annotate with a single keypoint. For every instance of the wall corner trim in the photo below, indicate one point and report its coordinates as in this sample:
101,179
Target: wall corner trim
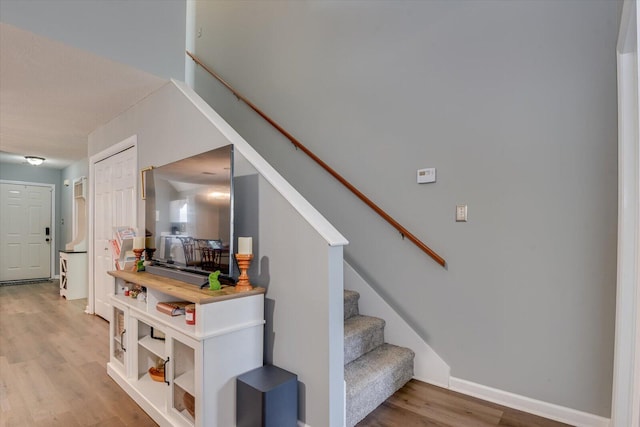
533,406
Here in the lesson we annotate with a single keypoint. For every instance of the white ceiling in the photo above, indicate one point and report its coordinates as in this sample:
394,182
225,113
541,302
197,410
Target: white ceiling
52,96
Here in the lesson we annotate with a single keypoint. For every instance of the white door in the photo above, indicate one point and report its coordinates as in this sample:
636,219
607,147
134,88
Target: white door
114,205
25,231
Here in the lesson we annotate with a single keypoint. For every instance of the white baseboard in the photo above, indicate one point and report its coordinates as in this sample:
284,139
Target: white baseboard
301,424
526,404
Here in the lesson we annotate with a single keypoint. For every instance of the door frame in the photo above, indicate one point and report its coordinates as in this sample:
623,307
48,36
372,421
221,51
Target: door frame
54,246
625,411
130,142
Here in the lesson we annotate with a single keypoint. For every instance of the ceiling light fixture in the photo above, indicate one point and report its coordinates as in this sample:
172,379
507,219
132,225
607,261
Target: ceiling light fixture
220,195
34,160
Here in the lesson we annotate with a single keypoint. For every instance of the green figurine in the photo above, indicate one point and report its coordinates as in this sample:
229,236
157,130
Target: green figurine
140,265
214,283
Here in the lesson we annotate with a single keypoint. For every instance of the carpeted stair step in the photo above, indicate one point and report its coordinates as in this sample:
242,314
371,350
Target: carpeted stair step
350,304
374,377
361,335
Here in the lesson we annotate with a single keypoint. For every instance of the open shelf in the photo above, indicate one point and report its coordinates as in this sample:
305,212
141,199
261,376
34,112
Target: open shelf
155,346
182,400
186,382
133,302
179,323
154,391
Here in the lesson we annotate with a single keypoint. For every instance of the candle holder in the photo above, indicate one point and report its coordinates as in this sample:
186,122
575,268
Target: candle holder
149,253
138,254
244,261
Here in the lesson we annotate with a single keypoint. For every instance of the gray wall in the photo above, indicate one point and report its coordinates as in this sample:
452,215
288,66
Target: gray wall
149,35
514,103
41,175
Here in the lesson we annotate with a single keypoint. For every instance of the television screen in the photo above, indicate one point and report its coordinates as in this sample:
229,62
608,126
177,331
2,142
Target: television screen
188,212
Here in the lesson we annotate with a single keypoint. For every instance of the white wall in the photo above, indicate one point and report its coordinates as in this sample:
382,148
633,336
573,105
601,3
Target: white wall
514,103
71,172
298,254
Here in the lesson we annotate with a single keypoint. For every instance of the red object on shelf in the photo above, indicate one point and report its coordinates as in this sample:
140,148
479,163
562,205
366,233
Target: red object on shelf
190,314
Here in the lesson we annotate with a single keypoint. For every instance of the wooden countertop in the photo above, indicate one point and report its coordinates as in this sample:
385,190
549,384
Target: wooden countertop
184,291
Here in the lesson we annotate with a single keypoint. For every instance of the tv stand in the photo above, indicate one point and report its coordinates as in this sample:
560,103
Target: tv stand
201,361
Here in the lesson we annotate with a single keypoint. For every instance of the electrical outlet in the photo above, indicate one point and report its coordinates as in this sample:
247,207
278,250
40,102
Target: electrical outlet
461,213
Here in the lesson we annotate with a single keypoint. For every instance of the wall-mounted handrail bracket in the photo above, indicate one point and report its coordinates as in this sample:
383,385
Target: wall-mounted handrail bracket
298,145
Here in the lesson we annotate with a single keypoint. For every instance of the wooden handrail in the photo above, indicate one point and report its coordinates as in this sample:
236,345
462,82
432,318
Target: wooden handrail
403,231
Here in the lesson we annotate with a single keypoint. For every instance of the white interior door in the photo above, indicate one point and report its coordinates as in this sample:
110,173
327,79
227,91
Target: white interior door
25,231
114,205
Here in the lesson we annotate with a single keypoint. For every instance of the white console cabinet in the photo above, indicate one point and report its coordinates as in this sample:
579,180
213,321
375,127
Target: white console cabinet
73,275
200,361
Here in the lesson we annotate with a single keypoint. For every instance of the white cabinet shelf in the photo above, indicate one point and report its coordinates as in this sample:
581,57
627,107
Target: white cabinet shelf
130,302
73,275
185,381
200,360
153,345
153,391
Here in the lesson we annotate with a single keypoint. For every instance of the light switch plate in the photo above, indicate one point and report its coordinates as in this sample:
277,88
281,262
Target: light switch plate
426,175
461,213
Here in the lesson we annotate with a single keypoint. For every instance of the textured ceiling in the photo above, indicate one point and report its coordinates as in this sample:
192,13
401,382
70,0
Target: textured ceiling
53,96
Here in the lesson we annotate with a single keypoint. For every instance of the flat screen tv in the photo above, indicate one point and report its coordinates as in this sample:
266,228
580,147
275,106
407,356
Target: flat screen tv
188,212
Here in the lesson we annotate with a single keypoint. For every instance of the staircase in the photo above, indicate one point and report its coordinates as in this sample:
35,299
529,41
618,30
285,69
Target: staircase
373,369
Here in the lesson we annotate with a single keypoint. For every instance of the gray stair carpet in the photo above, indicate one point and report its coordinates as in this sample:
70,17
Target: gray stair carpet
350,304
374,377
374,370
361,335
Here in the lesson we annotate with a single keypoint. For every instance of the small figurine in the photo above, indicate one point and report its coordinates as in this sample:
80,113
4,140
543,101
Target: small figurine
140,265
214,283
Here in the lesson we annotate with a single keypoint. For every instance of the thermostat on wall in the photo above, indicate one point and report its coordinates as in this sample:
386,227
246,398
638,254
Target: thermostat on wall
426,175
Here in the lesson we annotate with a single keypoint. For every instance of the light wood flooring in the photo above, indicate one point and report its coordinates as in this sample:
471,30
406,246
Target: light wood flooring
53,373
53,364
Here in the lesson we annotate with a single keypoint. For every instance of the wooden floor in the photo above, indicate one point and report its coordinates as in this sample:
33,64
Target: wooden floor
53,364
421,404
53,373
